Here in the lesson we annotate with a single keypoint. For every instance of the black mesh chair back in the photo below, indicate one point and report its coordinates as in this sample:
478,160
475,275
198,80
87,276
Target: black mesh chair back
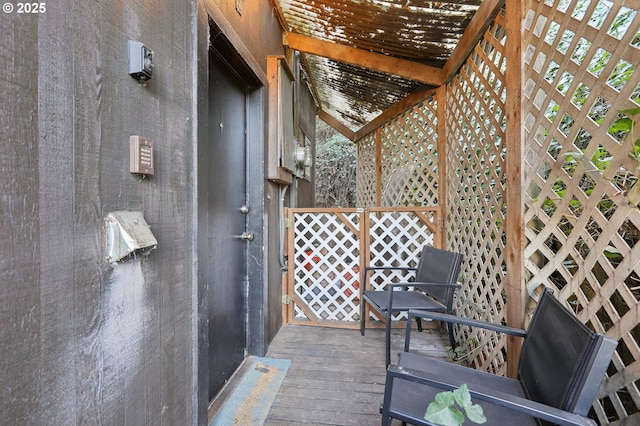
439,266
562,364
561,357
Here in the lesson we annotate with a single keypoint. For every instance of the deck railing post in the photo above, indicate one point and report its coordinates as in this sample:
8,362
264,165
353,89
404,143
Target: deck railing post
515,213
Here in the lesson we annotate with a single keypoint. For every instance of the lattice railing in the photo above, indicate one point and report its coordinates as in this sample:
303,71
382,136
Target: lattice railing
328,247
582,215
475,125
366,181
408,160
326,265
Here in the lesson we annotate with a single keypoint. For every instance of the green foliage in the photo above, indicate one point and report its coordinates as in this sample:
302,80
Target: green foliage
450,408
464,351
335,174
626,125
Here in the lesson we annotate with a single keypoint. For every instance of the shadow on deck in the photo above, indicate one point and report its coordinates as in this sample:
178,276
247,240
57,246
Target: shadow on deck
337,376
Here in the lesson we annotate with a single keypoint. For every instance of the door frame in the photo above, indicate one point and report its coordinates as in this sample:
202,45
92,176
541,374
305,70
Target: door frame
255,146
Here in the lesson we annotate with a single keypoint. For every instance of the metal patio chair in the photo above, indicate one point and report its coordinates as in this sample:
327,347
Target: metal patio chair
560,368
432,290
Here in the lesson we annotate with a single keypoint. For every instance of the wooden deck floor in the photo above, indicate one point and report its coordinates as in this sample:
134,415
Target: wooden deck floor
337,376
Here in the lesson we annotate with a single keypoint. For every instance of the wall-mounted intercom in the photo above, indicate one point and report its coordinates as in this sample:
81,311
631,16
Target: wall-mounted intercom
141,159
140,61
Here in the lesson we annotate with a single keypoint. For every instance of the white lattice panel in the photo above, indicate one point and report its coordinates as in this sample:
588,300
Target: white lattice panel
328,254
476,202
409,160
396,239
582,217
326,266
366,172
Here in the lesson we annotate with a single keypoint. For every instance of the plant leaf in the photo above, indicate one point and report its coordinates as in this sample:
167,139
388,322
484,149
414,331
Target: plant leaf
445,399
443,415
621,125
630,111
575,154
462,396
475,413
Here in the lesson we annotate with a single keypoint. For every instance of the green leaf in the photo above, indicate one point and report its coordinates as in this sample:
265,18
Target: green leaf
621,125
475,414
443,415
445,399
462,396
630,111
574,154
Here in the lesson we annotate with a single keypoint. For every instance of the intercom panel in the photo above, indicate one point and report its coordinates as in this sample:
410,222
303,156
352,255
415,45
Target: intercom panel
141,155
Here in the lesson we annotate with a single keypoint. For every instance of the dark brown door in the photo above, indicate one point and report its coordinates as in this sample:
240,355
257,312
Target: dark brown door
222,193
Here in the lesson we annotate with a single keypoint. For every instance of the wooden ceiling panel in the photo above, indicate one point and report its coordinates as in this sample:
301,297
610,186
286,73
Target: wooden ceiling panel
417,37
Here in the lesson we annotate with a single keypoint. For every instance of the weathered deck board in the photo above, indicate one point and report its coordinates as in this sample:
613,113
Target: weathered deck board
336,376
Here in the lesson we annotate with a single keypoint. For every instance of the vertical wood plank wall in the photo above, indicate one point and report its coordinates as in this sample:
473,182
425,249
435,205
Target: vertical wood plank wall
20,324
102,343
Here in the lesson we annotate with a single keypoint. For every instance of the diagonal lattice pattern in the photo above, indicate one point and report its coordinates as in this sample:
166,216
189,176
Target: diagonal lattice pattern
409,160
580,171
476,202
582,217
366,172
328,254
396,239
326,266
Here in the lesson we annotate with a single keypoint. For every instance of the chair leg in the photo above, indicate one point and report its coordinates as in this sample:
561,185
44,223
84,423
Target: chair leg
419,322
386,420
452,339
362,318
388,338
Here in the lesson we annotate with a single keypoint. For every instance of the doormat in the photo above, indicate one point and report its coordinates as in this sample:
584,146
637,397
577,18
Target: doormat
250,402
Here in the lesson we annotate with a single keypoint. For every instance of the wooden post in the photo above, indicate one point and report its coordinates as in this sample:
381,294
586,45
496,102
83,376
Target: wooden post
515,212
442,163
378,137
288,308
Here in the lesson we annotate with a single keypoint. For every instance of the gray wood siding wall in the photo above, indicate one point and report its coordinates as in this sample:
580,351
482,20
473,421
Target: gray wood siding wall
82,341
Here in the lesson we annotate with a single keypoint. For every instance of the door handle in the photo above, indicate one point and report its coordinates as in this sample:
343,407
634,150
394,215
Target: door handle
246,236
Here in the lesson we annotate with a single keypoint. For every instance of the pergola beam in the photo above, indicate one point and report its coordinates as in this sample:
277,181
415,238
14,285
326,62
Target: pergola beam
370,60
475,30
337,125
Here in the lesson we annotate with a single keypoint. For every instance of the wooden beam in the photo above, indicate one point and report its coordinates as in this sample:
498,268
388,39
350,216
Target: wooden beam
475,30
514,250
336,124
374,61
312,82
393,111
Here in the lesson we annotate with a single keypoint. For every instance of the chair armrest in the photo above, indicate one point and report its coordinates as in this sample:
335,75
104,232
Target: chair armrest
367,269
424,284
481,393
467,321
390,268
